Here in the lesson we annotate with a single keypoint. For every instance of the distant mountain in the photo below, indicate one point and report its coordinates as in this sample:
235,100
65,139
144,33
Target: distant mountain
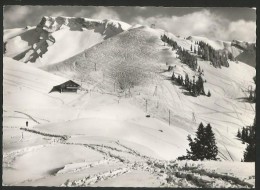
248,54
57,38
242,51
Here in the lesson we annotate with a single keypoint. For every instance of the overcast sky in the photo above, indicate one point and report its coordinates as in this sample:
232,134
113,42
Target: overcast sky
216,23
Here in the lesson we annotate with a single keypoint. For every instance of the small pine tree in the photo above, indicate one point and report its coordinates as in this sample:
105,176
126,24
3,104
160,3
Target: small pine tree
250,153
200,86
209,94
238,134
173,77
187,81
243,134
179,79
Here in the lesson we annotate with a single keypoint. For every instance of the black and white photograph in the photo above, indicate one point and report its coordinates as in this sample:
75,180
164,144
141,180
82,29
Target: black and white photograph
129,96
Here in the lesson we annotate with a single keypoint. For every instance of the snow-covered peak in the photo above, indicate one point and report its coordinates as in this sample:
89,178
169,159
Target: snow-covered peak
42,44
52,24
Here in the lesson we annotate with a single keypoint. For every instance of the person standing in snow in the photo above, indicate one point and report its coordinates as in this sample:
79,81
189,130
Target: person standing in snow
26,123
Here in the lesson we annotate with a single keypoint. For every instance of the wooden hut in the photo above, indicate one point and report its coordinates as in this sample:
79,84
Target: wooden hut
68,86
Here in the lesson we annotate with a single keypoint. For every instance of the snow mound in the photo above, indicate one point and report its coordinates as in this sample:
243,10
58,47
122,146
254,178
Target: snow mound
43,44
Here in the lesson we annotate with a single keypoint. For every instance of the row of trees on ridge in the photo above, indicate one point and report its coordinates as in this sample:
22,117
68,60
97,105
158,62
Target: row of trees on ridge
217,58
183,54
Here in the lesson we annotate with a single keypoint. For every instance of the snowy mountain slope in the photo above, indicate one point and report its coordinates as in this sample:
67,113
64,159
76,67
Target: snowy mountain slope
140,73
43,44
31,85
94,118
130,122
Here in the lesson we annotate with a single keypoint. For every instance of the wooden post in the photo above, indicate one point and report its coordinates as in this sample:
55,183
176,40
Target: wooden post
155,91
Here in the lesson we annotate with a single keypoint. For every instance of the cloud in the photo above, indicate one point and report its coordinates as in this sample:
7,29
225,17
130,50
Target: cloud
202,23
81,13
245,30
141,8
105,13
56,14
15,14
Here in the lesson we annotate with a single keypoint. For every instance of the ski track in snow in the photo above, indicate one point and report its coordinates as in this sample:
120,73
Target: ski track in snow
169,173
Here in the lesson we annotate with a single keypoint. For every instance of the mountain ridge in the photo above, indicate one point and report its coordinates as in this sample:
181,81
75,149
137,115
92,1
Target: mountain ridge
38,44
31,44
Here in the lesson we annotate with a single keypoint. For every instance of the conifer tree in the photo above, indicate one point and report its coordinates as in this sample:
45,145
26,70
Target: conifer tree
179,79
238,134
200,85
187,81
196,148
204,145
190,86
173,77
209,94
210,144
243,134
250,153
